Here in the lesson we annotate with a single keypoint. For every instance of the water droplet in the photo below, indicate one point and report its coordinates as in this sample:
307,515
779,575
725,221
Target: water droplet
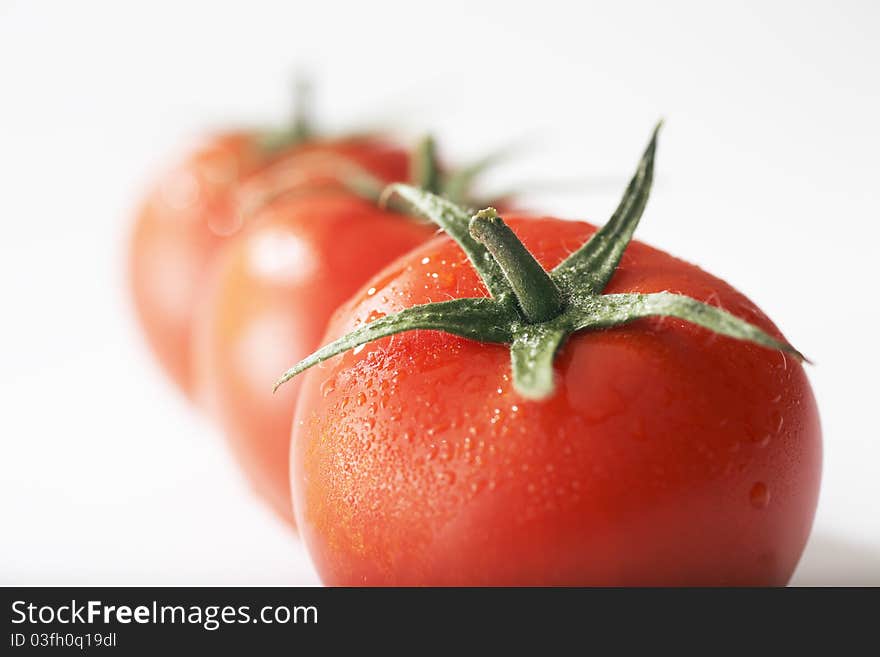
426,260
328,387
759,495
778,421
361,399
371,291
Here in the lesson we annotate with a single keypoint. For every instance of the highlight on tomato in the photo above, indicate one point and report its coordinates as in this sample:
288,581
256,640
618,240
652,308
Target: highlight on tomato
204,199
272,292
530,401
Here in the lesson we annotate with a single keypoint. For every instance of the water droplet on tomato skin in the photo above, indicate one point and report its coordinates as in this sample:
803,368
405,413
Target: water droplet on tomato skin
328,387
759,495
478,486
777,420
432,452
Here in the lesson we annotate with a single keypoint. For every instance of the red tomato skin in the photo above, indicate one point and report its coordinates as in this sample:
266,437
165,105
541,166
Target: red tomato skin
667,455
271,295
172,243
194,209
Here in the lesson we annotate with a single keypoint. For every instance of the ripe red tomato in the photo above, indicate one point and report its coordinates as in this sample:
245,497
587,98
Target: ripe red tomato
667,454
194,208
269,300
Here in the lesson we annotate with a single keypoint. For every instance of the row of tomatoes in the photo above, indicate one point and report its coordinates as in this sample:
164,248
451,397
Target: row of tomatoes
239,257
665,455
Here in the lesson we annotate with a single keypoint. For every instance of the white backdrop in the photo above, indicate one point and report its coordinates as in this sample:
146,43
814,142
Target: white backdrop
768,175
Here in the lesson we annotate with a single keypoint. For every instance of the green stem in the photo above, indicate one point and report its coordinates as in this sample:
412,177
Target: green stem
424,170
538,296
546,315
301,127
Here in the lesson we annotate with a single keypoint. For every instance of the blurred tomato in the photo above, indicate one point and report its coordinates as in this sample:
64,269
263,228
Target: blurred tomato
203,200
269,301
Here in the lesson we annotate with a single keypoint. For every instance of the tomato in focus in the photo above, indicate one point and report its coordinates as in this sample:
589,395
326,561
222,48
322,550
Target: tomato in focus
667,455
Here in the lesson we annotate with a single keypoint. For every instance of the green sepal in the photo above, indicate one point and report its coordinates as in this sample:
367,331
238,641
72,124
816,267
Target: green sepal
457,184
519,313
589,269
531,359
478,319
455,221
609,310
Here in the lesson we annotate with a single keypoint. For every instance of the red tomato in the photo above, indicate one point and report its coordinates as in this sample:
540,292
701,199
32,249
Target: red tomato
271,295
194,208
666,455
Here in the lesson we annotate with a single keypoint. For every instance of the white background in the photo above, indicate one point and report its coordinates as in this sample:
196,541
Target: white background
768,177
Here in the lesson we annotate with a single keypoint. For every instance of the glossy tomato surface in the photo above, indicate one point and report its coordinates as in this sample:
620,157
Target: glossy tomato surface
268,303
198,204
667,455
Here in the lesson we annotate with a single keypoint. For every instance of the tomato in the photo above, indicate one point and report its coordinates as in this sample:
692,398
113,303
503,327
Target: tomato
269,300
195,207
534,403
666,455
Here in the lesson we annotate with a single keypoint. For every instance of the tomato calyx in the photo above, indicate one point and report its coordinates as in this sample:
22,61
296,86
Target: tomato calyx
424,173
539,298
532,310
